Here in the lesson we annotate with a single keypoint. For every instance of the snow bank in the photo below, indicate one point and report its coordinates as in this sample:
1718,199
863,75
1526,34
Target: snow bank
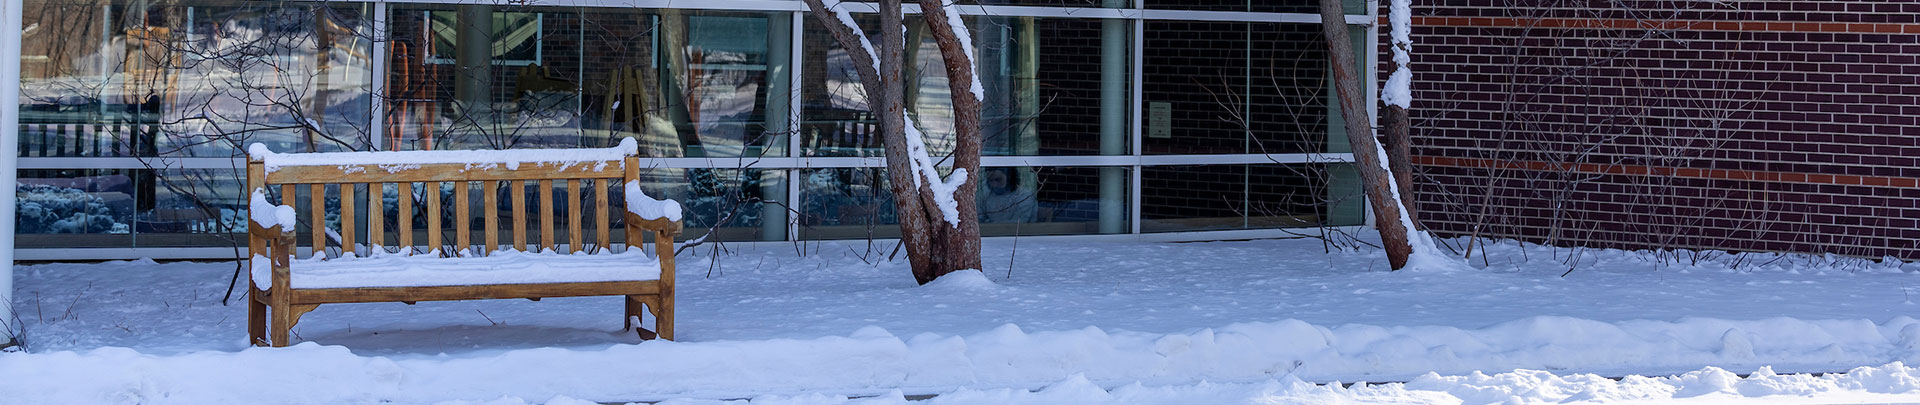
647,207
1008,357
1891,382
594,159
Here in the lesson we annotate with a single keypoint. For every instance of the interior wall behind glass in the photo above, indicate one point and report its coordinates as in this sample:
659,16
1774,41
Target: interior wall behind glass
192,78
1231,87
1053,86
684,83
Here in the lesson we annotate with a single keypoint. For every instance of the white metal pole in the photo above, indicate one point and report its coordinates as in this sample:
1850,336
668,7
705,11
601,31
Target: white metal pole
10,14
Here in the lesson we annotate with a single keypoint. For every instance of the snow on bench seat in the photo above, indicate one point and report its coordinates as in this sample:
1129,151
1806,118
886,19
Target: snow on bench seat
501,267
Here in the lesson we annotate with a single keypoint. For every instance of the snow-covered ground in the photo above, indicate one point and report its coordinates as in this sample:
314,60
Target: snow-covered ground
1070,322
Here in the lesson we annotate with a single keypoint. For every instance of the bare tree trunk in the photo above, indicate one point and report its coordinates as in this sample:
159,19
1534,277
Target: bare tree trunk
1366,152
934,246
1399,141
959,244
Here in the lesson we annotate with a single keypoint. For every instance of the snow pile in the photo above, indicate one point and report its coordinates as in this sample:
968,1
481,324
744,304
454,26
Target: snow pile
1004,357
500,267
646,207
1891,382
593,159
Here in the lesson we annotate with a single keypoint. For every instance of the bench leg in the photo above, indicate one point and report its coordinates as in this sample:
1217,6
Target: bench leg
633,310
256,319
282,325
663,320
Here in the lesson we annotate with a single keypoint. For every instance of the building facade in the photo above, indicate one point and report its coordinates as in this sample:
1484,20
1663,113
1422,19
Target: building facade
1742,125
1102,117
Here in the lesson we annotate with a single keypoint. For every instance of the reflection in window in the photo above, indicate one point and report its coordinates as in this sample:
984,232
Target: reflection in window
684,83
854,203
737,204
105,79
1054,86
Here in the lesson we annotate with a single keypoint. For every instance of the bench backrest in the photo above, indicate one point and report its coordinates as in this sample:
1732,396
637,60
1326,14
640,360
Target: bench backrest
473,182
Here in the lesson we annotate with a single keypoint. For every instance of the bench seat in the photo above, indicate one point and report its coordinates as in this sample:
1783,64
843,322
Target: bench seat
501,267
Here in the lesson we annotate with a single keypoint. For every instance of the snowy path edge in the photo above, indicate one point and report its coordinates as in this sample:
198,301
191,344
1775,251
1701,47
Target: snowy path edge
1004,357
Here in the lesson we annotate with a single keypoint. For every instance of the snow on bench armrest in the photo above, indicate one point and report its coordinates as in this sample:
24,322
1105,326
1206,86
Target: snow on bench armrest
395,161
269,215
646,207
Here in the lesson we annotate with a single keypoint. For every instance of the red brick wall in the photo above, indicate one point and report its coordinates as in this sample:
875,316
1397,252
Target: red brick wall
1748,125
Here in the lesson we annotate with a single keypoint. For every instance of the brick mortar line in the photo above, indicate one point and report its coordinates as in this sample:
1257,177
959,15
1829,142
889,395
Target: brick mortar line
1696,25
1711,174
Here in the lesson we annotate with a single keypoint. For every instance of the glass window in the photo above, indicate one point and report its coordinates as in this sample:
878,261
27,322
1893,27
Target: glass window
1259,6
77,207
1053,3
854,203
684,83
1053,86
1223,197
196,79
745,204
1230,87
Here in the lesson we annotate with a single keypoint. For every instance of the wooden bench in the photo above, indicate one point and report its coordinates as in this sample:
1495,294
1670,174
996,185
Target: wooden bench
353,269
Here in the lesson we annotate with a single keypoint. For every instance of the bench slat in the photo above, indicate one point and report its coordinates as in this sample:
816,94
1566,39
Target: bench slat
440,172
317,204
575,238
347,226
458,293
601,234
491,206
462,217
519,214
546,214
376,216
433,217
404,225
288,198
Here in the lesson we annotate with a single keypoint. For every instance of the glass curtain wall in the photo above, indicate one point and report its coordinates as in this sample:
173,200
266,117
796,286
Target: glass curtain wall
1094,123
682,83
136,84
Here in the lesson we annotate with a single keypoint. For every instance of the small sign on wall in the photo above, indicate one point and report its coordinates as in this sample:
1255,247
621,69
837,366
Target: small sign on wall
1159,119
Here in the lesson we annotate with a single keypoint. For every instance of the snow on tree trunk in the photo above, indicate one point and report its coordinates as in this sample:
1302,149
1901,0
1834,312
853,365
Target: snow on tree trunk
1398,95
1383,196
939,223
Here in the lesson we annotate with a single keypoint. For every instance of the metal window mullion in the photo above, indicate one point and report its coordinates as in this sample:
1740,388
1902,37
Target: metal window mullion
796,65
377,123
1139,99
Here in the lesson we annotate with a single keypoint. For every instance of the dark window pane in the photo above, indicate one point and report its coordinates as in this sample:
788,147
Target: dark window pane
1227,88
1196,198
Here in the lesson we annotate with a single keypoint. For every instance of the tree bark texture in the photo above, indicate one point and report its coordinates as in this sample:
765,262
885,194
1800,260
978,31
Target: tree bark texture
957,245
1399,142
1366,151
934,247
